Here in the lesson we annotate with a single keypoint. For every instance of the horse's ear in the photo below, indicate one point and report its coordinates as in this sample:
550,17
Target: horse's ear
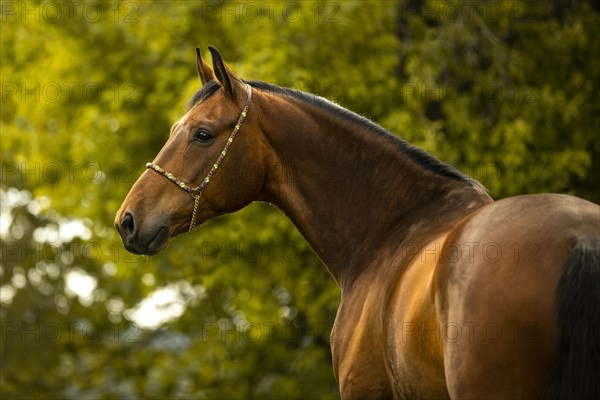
223,73
204,71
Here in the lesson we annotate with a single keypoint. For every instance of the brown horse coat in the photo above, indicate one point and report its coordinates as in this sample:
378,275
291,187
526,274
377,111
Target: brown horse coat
445,293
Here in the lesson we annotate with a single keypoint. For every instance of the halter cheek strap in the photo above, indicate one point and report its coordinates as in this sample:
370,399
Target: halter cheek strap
196,192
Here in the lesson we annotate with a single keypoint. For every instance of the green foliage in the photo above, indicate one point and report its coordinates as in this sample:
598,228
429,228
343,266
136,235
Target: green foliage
506,91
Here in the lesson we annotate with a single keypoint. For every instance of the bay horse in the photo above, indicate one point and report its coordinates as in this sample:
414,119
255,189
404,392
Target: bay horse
445,292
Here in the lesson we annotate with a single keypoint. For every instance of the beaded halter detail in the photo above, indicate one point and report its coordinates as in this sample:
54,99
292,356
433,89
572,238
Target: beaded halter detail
196,192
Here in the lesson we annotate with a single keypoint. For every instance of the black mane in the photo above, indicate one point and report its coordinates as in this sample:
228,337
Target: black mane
418,155
207,90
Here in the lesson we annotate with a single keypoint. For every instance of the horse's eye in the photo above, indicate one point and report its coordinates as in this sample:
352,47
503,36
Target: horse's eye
203,136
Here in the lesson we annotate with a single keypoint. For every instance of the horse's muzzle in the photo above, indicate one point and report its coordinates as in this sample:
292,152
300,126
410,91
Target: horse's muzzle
138,241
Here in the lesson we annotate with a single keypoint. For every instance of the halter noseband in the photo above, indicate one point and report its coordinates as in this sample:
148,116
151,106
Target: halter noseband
197,191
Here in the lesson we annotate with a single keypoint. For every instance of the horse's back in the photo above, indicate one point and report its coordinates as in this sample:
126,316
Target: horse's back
496,286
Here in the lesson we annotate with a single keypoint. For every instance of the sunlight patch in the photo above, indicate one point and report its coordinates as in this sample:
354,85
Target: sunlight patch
65,231
165,304
80,284
161,306
7,292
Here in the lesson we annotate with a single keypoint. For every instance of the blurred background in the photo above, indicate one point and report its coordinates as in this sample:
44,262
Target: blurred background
505,91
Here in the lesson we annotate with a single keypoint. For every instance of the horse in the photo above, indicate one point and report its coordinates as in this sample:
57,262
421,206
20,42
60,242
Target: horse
445,293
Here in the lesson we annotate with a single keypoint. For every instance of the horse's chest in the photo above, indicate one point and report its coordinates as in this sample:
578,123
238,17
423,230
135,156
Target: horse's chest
369,363
376,351
358,360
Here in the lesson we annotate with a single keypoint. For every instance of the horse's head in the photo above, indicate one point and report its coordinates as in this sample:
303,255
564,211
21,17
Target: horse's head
201,171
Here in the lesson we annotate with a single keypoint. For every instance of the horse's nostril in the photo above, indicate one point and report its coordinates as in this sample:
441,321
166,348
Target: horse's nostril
127,225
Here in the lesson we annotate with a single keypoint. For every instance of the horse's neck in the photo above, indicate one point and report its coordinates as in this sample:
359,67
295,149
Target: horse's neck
350,192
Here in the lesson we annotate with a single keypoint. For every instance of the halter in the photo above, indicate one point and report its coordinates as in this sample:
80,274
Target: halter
196,192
